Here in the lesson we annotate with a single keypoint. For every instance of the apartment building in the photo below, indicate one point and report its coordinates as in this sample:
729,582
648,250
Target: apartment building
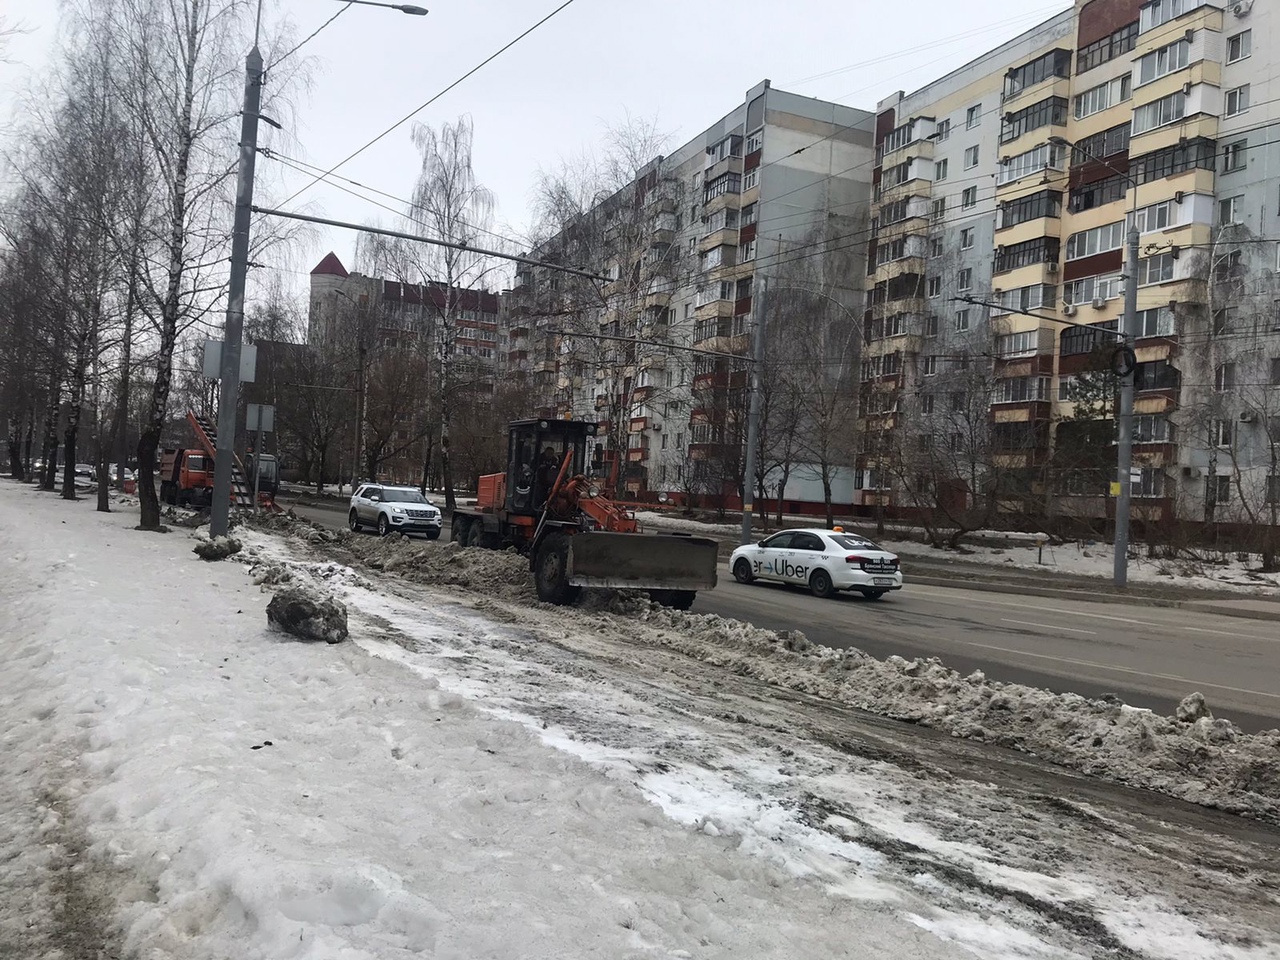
401,347
1003,197
659,353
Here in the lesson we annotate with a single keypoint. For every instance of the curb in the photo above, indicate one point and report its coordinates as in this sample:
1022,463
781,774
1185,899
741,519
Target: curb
1202,606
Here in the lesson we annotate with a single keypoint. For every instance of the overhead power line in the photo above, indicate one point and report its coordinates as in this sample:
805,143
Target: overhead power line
413,113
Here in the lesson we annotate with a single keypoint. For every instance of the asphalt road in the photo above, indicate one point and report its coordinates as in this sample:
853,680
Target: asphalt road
1147,656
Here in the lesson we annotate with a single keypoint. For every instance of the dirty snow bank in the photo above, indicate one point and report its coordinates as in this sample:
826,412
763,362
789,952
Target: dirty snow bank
244,796
1210,761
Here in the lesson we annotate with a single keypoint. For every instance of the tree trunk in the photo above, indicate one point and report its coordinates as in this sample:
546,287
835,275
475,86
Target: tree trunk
15,453
29,441
826,496
322,453
427,457
446,474
49,442
71,432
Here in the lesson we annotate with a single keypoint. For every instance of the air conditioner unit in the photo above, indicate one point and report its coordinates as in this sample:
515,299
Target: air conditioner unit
1068,309
1242,8
657,428
1186,89
1179,196
1188,471
1052,266
1190,35
1248,417
1099,303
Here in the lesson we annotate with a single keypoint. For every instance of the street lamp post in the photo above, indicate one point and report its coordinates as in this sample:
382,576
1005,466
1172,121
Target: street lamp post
1128,334
229,394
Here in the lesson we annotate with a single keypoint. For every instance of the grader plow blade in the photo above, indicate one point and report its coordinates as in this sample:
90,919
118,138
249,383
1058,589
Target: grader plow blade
639,561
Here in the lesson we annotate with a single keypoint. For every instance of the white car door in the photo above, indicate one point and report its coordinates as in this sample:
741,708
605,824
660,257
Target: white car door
369,504
806,555
772,556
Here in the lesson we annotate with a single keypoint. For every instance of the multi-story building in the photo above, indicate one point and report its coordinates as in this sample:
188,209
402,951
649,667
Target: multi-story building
1004,192
658,354
412,349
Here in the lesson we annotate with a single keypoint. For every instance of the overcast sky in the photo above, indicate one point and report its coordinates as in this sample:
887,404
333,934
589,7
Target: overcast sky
684,63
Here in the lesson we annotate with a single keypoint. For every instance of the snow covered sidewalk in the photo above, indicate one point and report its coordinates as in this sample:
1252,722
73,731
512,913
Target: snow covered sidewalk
186,784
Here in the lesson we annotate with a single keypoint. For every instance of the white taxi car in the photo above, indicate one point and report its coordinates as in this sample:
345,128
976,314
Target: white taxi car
826,561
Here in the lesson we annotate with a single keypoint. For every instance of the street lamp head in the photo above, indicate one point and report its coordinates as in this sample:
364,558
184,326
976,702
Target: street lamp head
412,10
1060,142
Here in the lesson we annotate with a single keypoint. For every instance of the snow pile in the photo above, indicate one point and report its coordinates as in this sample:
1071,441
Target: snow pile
666,521
440,563
1210,762
308,614
219,548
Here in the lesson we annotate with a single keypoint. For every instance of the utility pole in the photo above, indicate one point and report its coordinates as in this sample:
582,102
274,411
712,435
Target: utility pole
229,394
1124,442
753,415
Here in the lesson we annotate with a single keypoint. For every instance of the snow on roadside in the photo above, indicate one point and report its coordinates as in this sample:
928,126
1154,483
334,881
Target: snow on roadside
953,857
1210,761
246,795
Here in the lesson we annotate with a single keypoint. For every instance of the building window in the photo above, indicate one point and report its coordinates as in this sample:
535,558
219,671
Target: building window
1234,156
966,238
755,141
1150,483
1156,322
1087,289
1047,156
1239,46
940,171
1159,113
1273,489
1052,111
1028,253
1055,63
971,155
964,280
1090,243
1151,428
1229,210
1108,48
1275,376
1158,216
969,199
1217,489
1224,377
1237,101
1157,269
748,251
1104,95
1159,12
1047,203
1200,153
748,214
973,117
1162,62
934,287
1223,433
938,209
962,321
1021,390
931,326
1014,345
926,403
725,183
928,366
750,180
944,131
935,247
1107,143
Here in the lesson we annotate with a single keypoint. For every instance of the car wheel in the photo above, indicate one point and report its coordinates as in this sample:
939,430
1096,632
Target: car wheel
675,599
821,585
874,594
742,571
384,525
475,536
353,521
551,571
458,529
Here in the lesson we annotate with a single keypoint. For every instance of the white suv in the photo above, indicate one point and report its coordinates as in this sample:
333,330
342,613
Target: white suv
387,508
